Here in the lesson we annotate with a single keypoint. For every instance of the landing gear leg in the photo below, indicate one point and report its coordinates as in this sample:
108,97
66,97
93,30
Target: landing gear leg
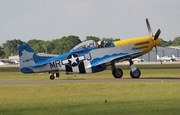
134,72
116,72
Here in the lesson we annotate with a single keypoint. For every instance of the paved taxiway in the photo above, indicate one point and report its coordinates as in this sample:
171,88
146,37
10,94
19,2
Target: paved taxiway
6,82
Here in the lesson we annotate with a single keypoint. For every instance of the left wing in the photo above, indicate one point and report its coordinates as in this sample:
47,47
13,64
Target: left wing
113,58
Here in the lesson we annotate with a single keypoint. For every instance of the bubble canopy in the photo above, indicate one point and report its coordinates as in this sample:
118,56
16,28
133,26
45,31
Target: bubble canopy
85,44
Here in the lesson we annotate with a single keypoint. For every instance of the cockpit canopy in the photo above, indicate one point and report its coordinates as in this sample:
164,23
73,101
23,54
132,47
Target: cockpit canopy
85,44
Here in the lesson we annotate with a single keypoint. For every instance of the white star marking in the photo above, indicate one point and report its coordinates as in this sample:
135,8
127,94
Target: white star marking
73,60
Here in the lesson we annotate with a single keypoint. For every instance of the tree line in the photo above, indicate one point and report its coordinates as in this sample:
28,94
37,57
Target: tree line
60,45
55,46
175,42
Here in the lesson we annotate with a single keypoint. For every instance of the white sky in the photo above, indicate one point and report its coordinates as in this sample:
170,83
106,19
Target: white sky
51,19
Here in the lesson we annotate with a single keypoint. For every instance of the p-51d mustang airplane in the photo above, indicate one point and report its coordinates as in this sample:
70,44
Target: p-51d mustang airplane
86,57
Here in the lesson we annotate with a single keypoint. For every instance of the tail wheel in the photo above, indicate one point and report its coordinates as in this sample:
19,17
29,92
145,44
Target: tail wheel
136,73
52,77
117,73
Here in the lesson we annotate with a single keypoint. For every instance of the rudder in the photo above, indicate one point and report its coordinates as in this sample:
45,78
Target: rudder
27,57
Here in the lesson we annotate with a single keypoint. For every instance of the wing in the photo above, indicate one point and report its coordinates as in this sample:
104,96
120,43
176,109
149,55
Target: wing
112,58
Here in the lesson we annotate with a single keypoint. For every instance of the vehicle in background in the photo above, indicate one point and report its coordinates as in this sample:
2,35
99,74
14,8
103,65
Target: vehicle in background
164,59
174,58
14,62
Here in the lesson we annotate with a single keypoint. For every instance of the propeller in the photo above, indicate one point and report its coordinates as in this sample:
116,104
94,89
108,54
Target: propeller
151,34
157,34
157,54
155,38
150,30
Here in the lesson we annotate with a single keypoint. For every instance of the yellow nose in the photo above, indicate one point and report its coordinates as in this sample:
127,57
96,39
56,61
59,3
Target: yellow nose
157,41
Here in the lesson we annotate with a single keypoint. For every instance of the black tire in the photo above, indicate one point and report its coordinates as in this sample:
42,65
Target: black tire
117,73
137,74
52,77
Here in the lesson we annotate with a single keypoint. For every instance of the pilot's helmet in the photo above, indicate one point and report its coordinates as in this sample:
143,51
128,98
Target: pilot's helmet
100,44
88,45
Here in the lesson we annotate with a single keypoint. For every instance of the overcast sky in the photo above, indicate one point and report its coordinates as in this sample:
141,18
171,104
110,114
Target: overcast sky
51,19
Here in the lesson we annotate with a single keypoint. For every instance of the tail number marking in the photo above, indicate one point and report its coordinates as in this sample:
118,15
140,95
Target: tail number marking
28,60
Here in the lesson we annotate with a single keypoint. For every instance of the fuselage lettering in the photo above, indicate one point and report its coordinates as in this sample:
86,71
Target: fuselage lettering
55,64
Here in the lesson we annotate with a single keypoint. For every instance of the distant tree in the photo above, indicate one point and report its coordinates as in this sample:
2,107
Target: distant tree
170,43
55,48
176,41
96,39
65,44
37,45
117,39
48,46
2,53
11,47
110,39
163,43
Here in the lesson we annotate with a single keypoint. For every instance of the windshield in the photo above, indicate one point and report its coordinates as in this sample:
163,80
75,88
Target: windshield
85,44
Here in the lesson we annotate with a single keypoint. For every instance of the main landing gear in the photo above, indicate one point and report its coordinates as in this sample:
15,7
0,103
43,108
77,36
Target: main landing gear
134,72
118,73
53,76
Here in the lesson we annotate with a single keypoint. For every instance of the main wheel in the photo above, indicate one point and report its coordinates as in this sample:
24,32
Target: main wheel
117,73
136,74
52,77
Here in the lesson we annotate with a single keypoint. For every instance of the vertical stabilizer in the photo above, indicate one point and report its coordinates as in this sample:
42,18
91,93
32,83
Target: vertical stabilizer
27,57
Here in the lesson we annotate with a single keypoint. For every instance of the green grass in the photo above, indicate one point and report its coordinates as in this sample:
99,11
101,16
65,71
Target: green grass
89,98
147,71
123,98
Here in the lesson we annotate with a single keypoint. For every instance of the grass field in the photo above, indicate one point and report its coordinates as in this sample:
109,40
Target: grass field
137,98
147,71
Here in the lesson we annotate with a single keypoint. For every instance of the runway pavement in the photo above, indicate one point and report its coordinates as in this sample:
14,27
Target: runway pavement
7,82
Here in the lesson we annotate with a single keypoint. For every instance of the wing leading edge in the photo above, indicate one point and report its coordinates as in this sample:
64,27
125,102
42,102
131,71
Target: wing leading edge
113,58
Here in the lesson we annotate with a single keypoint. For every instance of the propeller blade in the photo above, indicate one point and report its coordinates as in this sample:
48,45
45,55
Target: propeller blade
149,28
157,34
157,54
156,49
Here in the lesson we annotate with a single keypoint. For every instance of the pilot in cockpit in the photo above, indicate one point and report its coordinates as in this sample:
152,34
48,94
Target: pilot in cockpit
100,44
88,45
